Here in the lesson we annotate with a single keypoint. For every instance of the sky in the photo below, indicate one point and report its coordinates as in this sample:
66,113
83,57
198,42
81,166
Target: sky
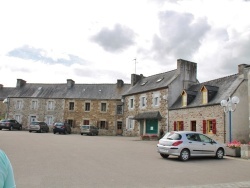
49,41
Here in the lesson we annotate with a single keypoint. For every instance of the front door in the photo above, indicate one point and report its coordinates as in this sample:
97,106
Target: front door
119,128
151,126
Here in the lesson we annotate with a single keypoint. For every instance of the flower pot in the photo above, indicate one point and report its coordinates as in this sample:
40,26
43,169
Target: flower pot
245,151
234,152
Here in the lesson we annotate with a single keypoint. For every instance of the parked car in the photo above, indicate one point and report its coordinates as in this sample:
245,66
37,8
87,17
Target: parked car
10,124
89,130
60,127
38,126
186,144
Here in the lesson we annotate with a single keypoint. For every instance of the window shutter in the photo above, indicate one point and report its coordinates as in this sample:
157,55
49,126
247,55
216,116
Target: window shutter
175,126
204,127
214,126
182,126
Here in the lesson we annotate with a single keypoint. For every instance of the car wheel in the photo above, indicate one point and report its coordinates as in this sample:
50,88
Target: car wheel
165,156
30,131
54,132
81,133
219,153
11,128
0,128
20,128
184,155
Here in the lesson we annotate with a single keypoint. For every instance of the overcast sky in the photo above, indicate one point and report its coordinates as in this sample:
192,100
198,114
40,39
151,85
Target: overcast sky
48,41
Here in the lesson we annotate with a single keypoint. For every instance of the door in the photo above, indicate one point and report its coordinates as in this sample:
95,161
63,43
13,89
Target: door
119,128
209,148
151,126
195,145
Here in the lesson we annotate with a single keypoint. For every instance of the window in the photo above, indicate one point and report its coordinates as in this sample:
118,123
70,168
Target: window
130,123
143,101
184,99
193,126
103,107
71,122
71,105
178,126
85,122
18,104
209,126
49,120
33,104
18,118
204,96
103,125
119,109
87,106
156,101
50,105
119,124
131,103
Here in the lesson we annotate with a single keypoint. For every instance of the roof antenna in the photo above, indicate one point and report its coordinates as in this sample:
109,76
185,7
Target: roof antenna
135,64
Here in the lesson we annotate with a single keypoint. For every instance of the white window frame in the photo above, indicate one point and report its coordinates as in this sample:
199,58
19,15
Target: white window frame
49,120
130,123
101,105
18,104
50,105
34,104
131,103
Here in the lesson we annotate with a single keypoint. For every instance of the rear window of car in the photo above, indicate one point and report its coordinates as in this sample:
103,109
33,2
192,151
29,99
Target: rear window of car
85,126
59,124
174,136
35,123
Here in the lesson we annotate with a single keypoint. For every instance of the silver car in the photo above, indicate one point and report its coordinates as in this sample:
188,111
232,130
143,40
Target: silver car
38,126
89,130
186,144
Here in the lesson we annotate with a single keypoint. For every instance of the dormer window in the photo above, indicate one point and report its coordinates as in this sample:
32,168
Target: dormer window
204,95
160,79
184,98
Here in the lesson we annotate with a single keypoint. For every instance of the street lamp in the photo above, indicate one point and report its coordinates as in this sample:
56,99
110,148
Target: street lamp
229,106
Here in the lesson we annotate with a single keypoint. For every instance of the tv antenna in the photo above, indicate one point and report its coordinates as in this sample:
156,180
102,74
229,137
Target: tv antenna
135,64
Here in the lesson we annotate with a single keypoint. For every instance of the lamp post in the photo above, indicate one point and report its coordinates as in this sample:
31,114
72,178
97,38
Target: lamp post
229,106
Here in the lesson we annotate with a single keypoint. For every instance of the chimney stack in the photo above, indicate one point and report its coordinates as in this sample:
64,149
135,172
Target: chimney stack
20,83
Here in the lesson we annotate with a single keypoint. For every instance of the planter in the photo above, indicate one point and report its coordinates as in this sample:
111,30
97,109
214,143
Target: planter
245,151
234,152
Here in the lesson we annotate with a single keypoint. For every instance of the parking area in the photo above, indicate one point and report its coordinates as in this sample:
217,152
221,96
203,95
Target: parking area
58,161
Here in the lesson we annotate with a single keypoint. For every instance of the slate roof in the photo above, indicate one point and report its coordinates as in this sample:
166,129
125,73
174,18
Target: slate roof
78,91
152,82
5,91
221,88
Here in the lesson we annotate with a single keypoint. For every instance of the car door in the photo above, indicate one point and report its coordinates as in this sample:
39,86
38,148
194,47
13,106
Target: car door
194,144
209,146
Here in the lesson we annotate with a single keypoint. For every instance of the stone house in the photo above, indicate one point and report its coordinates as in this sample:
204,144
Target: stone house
4,92
146,102
78,104
198,108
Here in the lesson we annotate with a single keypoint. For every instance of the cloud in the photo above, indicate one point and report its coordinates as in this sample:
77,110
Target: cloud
116,40
180,35
50,57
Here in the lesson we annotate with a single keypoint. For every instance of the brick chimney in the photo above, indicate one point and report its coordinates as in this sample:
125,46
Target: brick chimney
20,83
70,83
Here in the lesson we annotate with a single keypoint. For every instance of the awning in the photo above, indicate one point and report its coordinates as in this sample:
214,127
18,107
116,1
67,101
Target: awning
148,115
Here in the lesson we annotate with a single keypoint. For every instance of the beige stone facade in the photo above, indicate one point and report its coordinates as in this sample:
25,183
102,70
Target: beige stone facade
196,116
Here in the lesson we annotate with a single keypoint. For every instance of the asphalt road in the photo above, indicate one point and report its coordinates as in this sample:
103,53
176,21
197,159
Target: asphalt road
45,160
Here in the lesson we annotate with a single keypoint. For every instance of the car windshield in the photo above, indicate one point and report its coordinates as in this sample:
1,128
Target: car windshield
174,136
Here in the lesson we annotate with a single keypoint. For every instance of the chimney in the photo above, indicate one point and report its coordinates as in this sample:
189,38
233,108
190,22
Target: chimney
70,83
1,86
135,78
120,83
20,83
187,71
